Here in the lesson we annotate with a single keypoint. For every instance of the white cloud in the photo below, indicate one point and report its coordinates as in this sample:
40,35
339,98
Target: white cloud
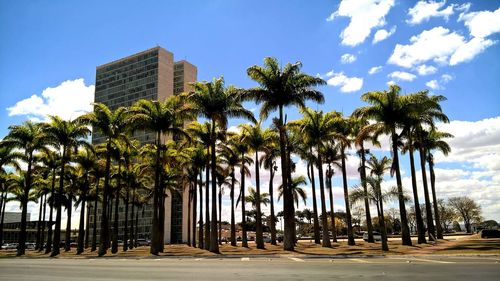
426,70
347,58
482,24
374,69
469,50
346,84
446,78
391,82
433,84
424,10
364,16
438,45
401,75
438,85
383,34
68,100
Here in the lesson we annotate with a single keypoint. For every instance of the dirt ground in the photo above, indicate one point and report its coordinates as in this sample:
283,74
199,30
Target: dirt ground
472,245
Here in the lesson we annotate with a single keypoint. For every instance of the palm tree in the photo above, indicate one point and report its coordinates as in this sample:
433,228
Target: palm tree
51,161
278,88
198,160
297,191
242,149
377,169
162,119
272,152
317,127
305,151
360,137
429,141
129,152
85,160
427,111
65,136
212,100
332,157
202,133
343,129
112,125
389,110
256,138
30,138
409,147
8,157
231,158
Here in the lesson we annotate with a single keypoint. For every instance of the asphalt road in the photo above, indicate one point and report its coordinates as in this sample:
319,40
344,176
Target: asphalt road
249,268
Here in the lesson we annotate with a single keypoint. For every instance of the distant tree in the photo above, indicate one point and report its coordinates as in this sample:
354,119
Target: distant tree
456,226
468,210
447,215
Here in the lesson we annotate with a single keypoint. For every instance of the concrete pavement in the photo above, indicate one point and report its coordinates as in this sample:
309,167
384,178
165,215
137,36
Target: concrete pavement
250,268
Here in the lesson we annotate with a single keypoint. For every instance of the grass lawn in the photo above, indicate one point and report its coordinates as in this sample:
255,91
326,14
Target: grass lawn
472,245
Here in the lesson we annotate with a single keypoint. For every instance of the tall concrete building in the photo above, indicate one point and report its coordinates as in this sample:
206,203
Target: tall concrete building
153,75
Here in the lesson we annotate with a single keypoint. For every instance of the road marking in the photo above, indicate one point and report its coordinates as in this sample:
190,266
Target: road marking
434,261
198,259
157,259
245,259
297,259
359,260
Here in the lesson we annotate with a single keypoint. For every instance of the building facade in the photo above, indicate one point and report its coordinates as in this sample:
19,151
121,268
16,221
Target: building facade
153,75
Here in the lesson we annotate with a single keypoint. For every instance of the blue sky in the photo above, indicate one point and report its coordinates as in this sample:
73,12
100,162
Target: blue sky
451,48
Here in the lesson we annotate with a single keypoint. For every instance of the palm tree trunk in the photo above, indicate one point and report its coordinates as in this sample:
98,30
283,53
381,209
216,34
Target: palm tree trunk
137,225
207,201
131,244
315,204
201,241
3,201
94,230
81,228
288,213
292,208
42,238
38,243
259,239
350,234
233,219
220,214
434,197
418,214
48,248
381,218
104,235
244,241
324,217
190,195
155,247
405,231
271,197
21,248
2,218
58,202
214,246
362,172
114,248
332,212
195,202
125,227
161,215
87,226
67,242
428,207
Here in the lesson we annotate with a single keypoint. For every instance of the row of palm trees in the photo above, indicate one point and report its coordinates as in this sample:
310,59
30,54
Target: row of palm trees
187,154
